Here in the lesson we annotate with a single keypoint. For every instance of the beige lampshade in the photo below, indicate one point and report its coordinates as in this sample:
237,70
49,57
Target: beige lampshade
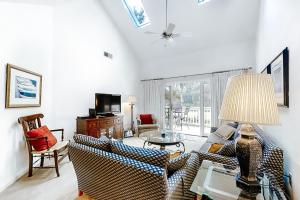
132,99
250,98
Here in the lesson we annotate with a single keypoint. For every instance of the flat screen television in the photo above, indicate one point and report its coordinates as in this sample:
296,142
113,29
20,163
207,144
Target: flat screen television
107,103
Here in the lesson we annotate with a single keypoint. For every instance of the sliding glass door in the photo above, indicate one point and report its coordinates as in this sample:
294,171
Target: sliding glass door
188,107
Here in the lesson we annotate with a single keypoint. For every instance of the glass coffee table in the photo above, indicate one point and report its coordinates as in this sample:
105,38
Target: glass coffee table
163,138
217,181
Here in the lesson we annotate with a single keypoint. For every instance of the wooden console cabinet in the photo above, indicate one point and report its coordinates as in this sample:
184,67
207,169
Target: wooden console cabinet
96,126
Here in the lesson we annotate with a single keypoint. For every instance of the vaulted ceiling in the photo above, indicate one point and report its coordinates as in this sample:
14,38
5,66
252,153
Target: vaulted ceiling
215,23
218,22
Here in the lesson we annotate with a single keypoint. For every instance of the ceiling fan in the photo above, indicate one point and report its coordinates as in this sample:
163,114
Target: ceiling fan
168,34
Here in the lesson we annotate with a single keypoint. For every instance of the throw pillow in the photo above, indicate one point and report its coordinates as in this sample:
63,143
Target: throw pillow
151,156
42,144
177,163
233,124
175,154
215,138
101,143
225,131
215,147
146,119
228,149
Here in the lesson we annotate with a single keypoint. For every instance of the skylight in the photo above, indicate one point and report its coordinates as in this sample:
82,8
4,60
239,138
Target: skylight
137,12
203,1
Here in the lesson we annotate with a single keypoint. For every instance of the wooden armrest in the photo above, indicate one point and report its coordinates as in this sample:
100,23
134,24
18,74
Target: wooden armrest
62,132
55,130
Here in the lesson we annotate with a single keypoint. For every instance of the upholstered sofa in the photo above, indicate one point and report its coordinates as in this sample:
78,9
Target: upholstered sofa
103,174
272,160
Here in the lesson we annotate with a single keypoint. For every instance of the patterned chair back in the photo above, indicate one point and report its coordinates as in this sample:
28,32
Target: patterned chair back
272,161
30,122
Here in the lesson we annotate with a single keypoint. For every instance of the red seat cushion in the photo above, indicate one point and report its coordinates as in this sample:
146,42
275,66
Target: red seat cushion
146,119
41,144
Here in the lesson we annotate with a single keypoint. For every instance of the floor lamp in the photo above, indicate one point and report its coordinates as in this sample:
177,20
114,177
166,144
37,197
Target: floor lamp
132,101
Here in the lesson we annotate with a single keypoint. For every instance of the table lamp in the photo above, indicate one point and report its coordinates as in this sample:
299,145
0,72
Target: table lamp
132,101
249,99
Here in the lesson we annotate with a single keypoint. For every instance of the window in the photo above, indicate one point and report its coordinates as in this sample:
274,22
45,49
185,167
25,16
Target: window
203,1
137,12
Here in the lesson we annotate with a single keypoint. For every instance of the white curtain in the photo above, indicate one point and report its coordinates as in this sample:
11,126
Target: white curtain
218,86
152,98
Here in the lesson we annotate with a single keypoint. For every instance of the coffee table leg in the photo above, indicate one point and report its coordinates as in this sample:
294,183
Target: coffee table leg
144,144
178,145
183,146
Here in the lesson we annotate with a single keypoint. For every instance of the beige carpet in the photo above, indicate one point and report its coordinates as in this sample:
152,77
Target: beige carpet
44,185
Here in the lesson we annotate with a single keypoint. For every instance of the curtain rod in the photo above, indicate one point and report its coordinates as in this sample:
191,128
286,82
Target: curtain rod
216,72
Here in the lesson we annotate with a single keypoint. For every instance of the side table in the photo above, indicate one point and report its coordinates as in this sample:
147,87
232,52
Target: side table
217,181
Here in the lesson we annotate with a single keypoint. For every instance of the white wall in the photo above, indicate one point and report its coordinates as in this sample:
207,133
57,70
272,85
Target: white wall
279,28
82,31
64,43
229,56
26,41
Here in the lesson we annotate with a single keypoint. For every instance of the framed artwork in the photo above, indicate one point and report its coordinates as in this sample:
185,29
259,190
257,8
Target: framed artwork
279,70
23,88
266,70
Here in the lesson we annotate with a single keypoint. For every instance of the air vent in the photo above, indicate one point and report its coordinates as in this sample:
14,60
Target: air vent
108,55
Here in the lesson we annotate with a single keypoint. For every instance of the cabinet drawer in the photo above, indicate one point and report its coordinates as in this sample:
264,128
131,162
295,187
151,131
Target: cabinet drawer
92,125
106,123
93,132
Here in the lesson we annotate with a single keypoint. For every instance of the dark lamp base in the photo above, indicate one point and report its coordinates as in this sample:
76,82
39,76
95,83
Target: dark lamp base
247,186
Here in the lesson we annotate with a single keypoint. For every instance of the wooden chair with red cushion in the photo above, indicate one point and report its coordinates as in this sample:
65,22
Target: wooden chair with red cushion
146,122
42,143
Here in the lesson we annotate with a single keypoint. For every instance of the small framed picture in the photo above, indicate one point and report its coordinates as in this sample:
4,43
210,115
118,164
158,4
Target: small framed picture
23,88
279,70
128,133
266,70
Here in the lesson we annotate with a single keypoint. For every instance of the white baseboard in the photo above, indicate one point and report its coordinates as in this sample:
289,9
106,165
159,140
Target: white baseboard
9,183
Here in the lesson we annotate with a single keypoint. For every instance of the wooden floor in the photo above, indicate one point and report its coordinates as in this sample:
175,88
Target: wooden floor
44,185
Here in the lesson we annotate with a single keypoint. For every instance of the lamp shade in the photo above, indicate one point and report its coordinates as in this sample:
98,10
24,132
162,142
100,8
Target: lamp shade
132,99
250,98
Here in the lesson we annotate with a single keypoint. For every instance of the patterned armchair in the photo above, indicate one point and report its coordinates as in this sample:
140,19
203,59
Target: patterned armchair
149,124
102,174
272,161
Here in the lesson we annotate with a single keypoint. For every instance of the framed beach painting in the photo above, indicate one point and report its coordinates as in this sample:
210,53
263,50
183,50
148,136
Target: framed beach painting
279,70
23,88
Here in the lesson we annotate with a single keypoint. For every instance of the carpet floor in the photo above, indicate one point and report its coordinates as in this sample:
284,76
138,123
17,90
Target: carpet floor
45,185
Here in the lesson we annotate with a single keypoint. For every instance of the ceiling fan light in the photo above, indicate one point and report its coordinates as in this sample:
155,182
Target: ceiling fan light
170,39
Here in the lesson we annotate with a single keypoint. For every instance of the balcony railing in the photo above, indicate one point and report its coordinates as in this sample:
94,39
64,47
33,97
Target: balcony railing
187,116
